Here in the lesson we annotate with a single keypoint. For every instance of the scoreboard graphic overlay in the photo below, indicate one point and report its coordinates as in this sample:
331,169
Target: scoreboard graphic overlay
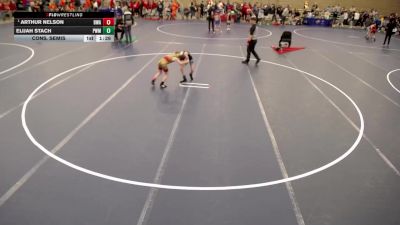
64,26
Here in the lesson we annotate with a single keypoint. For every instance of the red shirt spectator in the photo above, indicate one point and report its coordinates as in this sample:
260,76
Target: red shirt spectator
72,5
136,5
6,5
244,8
145,4
131,3
13,6
154,5
61,3
229,7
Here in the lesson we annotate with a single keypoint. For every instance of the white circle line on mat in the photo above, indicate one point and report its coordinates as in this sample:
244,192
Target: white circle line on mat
194,188
204,38
390,82
23,62
296,31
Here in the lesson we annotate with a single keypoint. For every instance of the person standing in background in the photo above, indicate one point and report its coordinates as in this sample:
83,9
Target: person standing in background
390,30
119,28
128,22
160,9
210,17
285,14
252,41
192,9
201,9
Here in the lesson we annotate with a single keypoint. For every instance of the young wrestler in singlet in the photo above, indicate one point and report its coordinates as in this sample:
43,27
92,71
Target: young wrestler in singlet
191,63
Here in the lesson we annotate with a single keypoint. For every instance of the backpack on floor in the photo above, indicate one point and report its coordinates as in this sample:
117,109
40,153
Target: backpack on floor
286,38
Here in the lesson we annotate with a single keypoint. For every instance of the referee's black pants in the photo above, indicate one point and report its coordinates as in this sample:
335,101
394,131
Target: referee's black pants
210,24
250,49
387,37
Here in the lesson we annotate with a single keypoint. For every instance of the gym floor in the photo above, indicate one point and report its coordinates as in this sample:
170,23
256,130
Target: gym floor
307,137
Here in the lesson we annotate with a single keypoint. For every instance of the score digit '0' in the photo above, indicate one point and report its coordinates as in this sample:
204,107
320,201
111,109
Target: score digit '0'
108,21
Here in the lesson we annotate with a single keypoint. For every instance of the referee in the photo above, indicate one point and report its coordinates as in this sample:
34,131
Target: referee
252,41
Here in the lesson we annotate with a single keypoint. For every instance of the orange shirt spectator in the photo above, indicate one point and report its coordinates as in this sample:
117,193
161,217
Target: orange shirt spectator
174,8
52,5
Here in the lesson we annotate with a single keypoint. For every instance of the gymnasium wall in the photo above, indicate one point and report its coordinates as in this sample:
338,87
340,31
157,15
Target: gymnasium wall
383,6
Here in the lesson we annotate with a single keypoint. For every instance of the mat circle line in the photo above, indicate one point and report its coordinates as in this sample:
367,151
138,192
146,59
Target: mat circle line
193,188
204,38
390,82
23,62
338,42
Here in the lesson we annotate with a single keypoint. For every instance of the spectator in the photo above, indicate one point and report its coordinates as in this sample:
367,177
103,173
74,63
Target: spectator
20,5
186,13
197,10
52,6
71,6
327,15
285,14
174,8
33,6
210,17
356,18
168,12
2,11
202,9
128,22
119,28
220,6
274,13
254,11
95,5
181,10
192,9
160,9
87,6
345,18
135,8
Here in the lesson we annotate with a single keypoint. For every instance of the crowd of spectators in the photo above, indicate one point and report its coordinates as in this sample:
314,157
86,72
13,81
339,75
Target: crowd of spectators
171,9
337,15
